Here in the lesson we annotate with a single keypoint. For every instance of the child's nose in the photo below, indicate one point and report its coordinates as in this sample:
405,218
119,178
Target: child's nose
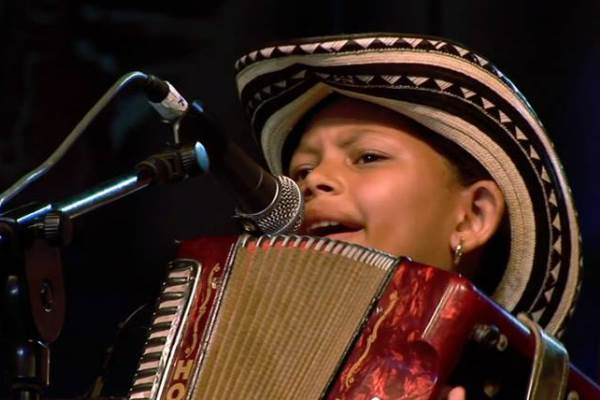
322,180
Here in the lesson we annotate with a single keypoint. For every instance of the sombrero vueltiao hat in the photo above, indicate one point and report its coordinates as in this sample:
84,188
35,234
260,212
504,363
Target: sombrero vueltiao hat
463,97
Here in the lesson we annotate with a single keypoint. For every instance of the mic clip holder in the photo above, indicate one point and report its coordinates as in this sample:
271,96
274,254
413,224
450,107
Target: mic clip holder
172,165
33,309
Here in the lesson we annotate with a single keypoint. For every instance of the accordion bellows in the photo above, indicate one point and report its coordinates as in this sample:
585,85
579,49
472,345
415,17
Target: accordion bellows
282,300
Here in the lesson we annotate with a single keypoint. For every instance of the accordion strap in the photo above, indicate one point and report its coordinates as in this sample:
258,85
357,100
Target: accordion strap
550,366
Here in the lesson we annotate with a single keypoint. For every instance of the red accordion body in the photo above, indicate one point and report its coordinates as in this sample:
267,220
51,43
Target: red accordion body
408,343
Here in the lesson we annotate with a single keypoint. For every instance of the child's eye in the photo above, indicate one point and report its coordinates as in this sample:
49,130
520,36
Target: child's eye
370,158
301,173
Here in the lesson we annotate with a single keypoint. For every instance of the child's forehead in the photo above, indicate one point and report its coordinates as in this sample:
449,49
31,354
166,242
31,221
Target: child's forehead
354,118
347,121
341,108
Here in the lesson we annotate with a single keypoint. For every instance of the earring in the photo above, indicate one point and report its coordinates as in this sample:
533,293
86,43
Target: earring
458,252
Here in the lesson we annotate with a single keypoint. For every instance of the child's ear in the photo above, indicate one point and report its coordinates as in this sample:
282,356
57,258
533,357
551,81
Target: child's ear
480,213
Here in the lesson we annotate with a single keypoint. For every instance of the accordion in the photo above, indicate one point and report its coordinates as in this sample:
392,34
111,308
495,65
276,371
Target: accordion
296,317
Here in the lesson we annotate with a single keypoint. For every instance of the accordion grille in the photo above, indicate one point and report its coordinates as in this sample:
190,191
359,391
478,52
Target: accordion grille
287,317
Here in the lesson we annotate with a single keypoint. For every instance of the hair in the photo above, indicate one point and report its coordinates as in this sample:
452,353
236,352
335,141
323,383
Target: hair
493,257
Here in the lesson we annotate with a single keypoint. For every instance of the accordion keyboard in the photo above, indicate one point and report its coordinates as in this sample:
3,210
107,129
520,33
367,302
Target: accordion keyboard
165,331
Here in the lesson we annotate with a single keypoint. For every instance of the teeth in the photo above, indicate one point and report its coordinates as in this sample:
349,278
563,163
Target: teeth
322,224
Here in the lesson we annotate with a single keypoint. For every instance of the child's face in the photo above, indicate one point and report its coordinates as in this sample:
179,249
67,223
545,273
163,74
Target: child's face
368,181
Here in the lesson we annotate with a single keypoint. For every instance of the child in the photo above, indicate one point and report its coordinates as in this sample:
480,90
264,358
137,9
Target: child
420,147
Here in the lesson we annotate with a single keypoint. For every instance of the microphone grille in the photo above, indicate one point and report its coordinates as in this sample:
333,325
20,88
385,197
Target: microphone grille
286,212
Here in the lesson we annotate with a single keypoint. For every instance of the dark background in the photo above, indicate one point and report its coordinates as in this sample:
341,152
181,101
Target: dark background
59,57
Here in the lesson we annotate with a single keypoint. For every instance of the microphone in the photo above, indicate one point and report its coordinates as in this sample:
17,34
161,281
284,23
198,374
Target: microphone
266,204
164,98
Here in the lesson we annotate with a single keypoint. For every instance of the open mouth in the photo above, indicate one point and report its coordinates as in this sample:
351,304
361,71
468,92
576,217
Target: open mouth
327,228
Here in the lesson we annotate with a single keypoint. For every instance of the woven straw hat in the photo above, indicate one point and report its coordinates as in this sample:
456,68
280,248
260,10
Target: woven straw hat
460,95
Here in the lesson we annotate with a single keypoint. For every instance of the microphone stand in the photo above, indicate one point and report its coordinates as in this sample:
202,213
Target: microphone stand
32,307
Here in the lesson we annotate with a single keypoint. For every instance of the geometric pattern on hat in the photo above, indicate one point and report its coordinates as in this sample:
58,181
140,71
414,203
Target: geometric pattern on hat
461,95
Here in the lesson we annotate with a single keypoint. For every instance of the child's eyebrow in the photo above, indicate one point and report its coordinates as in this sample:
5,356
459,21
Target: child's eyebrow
353,137
347,140
358,135
304,148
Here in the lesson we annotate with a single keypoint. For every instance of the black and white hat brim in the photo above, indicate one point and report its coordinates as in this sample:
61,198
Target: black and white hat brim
460,95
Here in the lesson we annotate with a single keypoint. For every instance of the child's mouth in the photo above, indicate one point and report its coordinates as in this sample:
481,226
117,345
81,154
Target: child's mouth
332,229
